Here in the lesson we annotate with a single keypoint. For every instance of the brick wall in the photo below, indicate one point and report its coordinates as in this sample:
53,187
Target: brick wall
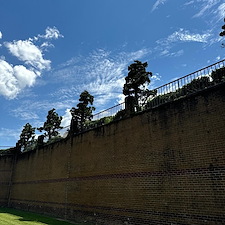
163,166
6,164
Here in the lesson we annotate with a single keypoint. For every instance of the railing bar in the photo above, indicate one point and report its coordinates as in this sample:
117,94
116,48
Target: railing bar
192,73
108,109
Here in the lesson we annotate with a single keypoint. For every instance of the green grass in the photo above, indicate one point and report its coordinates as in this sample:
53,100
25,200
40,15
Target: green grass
10,216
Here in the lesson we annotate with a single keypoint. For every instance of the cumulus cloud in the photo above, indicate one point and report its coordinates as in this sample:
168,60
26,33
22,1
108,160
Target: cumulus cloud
14,78
46,45
157,3
29,53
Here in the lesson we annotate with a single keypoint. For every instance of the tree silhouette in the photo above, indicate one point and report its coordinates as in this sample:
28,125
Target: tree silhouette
52,124
82,113
222,33
136,81
26,136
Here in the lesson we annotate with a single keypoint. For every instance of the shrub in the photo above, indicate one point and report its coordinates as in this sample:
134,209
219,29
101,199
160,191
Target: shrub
218,75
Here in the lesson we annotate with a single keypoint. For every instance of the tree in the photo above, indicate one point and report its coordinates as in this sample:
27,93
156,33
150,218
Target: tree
136,81
27,136
52,124
82,113
222,33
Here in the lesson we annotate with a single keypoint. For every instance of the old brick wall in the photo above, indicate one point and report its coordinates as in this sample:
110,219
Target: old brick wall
163,166
6,165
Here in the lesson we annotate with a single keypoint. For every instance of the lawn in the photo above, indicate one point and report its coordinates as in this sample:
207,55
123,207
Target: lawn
10,216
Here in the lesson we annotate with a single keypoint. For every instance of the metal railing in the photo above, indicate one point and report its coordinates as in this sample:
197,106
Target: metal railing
109,112
186,85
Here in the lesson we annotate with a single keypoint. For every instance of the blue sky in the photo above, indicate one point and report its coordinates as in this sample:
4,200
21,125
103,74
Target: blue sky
52,50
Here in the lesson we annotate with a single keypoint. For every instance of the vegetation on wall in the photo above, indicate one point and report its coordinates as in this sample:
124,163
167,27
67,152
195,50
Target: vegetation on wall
217,76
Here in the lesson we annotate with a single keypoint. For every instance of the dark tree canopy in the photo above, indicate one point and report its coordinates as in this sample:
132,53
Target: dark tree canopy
52,124
137,80
222,33
83,112
27,135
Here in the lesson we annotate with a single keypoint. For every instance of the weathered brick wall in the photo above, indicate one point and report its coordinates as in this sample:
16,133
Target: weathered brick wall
164,166
6,164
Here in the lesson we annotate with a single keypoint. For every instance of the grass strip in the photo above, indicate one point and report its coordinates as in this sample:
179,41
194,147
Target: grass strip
9,216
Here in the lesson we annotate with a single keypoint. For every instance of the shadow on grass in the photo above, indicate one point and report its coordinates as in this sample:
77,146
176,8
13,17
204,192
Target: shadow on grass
33,217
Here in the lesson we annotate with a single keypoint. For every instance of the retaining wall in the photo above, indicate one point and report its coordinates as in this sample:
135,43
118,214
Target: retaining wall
163,166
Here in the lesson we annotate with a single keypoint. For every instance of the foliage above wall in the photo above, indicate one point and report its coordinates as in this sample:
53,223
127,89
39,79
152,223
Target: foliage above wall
82,114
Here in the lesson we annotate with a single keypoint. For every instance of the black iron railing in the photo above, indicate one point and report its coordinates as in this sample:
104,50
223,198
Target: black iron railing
184,86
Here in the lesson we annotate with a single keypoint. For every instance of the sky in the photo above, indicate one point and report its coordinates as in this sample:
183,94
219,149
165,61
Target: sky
52,50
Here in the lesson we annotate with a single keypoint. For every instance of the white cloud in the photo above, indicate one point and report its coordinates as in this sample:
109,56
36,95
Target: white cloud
6,133
29,53
165,45
51,33
186,36
66,118
218,58
157,3
206,6
24,76
14,78
189,3
0,35
101,73
27,109
220,12
46,45
166,52
8,82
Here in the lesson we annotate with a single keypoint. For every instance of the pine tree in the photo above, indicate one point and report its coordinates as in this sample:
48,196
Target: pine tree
27,136
136,81
82,113
52,124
